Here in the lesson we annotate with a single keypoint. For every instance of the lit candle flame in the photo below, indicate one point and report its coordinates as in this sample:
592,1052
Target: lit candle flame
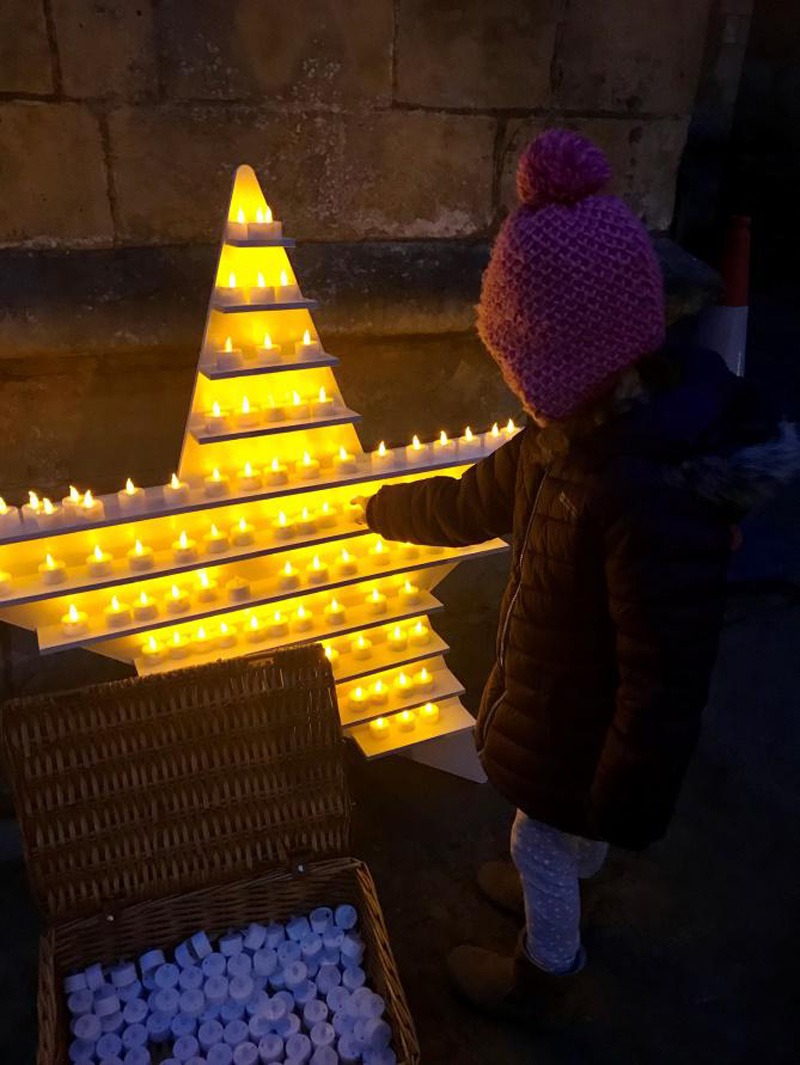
259,216
137,547
49,562
214,530
281,518
416,444
405,716
74,494
223,628
275,465
315,563
48,506
151,643
424,674
334,603
296,399
202,576
284,279
240,216
245,405
322,394
182,539
443,438
253,622
277,617
468,434
326,508
3,506
329,652
306,459
176,639
261,282
342,452
378,547
201,633
381,724
307,337
242,525
402,680
510,427
408,587
114,603
72,613
33,501
130,487
495,429
419,627
375,595
174,482
144,601
287,569
361,642
231,280
269,214
176,592
228,344
215,409
88,501
381,449
267,341
98,554
304,514
378,686
301,611
358,693
346,556
397,632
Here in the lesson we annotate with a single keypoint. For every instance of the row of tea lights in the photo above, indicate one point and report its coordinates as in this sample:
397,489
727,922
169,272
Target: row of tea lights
230,357
406,721
42,513
378,693
234,294
263,228
75,622
257,629
249,416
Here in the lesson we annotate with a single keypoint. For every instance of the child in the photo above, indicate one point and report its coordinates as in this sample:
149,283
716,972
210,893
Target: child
620,498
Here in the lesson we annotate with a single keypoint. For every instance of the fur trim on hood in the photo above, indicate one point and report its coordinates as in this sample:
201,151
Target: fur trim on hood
745,478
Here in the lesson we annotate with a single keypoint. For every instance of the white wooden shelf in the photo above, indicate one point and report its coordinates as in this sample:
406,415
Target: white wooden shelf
343,416
445,686
257,366
31,589
348,667
265,592
453,717
254,305
429,604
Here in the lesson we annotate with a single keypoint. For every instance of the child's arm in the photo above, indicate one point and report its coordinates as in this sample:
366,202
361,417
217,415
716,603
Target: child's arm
448,511
665,570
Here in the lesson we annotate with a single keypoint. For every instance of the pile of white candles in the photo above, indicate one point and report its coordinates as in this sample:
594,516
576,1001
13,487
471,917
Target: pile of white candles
286,993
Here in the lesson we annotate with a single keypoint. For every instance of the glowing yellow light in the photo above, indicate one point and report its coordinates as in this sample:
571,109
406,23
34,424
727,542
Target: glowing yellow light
242,525
329,651
261,282
325,508
201,633
240,216
48,506
177,639
49,562
345,556
245,405
379,547
284,279
33,501
510,427
202,576
151,643
381,448
296,399
254,622
98,554
442,437
306,337
215,474
334,603
130,487
468,434
228,344
281,518
114,603
342,452
3,506
214,531
306,459
416,444
231,280
269,214
361,643
301,612
74,494
260,216
304,514
375,595
403,681
495,429
72,613
174,482
176,592
137,547
408,587
88,501
424,675
215,409
274,464
315,562
144,601
419,628
397,632
277,617
183,540
223,628
322,395
267,341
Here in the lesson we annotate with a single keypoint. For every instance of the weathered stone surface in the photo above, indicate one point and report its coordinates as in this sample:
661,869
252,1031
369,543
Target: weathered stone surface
319,52
52,175
619,55
25,64
105,49
467,53
644,157
394,174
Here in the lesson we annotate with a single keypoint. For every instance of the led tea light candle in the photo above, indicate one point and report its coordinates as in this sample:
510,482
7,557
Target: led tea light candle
216,418
409,550
379,553
492,439
249,478
344,462
74,622
130,497
144,607
267,349
307,346
255,631
403,684
302,619
152,651
278,625
216,484
324,405
429,713
9,518
261,294
378,694
178,646
91,509
423,681
99,562
238,589
409,594
5,582
282,528
376,602
397,638
184,549
406,720
176,492
382,458
331,653
49,515
117,614
207,589
509,429
226,635
273,412
288,578
242,533
287,291
416,452
264,227
237,228
316,571
177,601
361,647
215,541
248,416
307,468
296,410
379,728
71,502
305,523
358,698
32,509
346,564
419,635
326,517
229,358
276,474
334,612
232,294
201,641
469,444
444,447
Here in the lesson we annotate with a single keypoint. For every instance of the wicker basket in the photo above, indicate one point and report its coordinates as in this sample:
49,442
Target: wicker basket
203,798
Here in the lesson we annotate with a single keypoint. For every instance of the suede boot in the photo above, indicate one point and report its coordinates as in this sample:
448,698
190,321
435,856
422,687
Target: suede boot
500,883
516,989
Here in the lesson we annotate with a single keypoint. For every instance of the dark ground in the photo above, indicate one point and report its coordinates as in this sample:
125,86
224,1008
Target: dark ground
696,940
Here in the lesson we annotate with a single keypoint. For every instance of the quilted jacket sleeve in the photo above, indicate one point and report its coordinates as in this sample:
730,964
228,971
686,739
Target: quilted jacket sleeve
665,566
449,511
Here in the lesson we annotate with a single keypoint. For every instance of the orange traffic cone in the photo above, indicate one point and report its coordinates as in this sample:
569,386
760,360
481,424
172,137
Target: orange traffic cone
723,328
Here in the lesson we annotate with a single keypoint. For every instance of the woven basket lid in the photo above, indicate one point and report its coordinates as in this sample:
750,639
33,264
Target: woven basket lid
147,787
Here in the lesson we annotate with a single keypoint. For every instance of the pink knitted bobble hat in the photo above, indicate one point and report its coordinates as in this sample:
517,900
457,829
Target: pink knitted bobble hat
573,291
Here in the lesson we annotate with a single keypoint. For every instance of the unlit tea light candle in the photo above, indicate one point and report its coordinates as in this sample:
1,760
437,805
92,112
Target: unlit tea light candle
238,589
273,412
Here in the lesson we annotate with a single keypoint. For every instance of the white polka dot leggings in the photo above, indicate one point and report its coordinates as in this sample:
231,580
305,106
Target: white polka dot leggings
551,863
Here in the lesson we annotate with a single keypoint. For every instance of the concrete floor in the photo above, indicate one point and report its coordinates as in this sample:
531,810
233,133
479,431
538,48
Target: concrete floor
695,941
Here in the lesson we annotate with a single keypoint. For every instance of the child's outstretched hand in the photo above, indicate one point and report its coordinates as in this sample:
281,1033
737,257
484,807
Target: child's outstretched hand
359,505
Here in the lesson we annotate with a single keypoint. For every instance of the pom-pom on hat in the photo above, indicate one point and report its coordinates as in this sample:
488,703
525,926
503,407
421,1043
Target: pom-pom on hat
573,291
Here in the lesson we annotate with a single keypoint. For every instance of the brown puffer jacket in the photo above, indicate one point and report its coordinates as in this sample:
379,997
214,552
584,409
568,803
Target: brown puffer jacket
611,618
